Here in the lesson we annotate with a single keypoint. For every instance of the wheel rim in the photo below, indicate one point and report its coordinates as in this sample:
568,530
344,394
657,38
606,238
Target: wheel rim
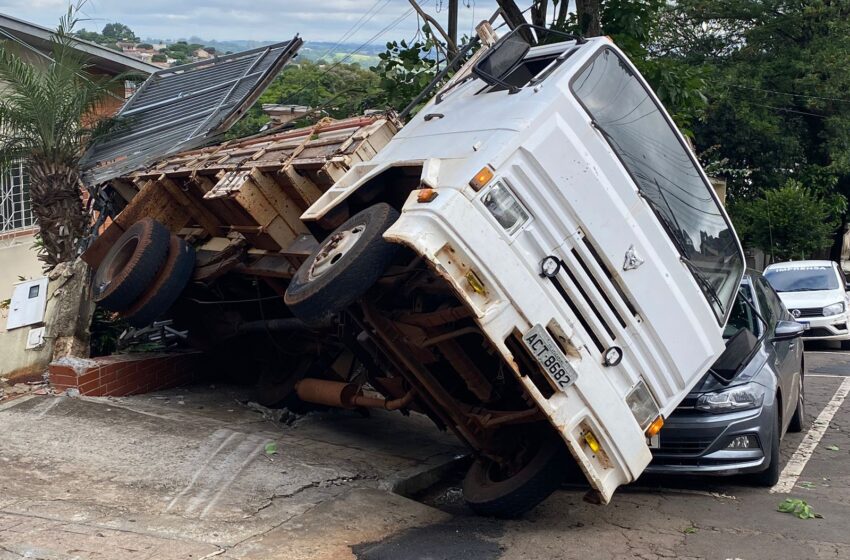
333,250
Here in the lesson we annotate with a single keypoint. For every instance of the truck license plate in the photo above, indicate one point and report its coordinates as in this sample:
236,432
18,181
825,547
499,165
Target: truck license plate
550,357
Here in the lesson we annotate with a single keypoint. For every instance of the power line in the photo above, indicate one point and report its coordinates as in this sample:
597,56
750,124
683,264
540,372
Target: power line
785,109
369,41
358,25
839,99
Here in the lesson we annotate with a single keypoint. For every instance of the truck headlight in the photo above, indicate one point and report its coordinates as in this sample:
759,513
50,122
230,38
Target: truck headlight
642,405
743,397
833,309
503,205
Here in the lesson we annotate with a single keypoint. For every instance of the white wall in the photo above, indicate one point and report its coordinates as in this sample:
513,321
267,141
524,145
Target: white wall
18,257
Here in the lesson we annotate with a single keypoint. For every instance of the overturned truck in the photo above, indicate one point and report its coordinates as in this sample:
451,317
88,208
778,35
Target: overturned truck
536,261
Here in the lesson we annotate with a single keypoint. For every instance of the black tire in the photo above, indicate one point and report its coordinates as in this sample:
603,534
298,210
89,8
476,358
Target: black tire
770,476
511,497
799,421
331,279
131,264
166,287
845,344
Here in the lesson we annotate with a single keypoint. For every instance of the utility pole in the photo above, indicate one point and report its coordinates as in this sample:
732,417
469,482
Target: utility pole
453,8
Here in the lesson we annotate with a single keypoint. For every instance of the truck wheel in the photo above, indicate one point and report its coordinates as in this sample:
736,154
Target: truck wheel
489,491
166,287
130,265
344,267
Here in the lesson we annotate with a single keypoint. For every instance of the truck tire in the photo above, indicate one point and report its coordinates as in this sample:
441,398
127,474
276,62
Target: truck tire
166,287
343,267
491,495
130,265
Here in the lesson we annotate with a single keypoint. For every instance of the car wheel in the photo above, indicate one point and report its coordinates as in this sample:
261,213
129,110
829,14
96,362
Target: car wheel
130,265
344,266
845,344
490,491
770,475
166,287
798,421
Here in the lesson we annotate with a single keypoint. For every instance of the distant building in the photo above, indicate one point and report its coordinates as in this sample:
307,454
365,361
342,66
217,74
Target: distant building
17,224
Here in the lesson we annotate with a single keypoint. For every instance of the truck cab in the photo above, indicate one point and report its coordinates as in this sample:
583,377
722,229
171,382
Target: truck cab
539,262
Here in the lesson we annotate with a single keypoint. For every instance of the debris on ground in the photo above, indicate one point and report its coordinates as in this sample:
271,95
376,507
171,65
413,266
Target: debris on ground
798,507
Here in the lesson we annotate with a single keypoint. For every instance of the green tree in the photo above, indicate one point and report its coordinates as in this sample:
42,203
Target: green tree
159,57
790,222
778,83
48,116
119,32
338,91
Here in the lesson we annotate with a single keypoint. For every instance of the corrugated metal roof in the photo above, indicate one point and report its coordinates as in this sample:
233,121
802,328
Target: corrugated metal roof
184,107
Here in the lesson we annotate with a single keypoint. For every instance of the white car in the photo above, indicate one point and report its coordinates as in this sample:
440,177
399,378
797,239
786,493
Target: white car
815,292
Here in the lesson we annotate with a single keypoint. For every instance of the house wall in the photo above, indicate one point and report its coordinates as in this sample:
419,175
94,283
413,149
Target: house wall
18,258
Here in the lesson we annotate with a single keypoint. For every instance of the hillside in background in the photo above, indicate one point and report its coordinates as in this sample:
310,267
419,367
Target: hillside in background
312,50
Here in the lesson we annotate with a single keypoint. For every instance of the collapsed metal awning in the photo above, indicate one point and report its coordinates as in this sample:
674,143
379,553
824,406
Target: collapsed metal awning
183,107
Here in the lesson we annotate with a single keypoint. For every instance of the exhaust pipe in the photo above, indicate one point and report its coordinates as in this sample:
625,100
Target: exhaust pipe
345,395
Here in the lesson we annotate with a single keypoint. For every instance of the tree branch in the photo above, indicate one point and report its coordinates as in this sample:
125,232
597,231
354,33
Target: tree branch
435,24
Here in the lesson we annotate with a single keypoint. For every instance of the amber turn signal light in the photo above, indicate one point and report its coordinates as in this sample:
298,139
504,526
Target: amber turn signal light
481,178
426,195
655,427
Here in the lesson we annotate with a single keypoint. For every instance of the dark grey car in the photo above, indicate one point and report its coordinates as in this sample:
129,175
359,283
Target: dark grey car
733,420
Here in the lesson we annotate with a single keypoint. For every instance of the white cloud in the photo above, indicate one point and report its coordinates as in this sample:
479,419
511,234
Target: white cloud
261,20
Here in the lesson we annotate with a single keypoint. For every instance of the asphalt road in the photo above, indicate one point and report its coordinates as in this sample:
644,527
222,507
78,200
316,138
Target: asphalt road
664,517
187,475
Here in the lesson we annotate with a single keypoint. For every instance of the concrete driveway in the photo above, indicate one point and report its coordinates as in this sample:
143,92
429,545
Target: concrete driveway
194,473
186,475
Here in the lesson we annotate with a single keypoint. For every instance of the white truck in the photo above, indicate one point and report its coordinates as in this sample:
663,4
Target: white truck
537,261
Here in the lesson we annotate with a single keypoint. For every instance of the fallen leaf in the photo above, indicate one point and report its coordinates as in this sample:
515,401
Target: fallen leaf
832,447
689,530
271,448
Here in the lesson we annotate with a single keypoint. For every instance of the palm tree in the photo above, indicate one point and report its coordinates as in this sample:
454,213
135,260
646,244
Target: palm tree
49,107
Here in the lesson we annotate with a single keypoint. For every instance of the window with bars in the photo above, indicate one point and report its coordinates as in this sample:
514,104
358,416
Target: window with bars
15,205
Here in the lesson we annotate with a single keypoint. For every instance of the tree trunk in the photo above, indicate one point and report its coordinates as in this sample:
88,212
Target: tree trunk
58,207
589,19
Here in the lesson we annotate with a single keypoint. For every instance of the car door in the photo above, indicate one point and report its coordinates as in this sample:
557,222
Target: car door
787,353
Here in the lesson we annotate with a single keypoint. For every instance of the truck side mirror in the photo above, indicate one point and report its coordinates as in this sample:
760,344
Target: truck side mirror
788,330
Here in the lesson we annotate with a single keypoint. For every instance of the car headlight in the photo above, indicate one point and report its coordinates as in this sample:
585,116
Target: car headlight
742,397
833,309
504,206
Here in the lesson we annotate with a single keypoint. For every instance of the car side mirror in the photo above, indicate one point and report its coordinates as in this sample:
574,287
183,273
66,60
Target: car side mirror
847,286
788,330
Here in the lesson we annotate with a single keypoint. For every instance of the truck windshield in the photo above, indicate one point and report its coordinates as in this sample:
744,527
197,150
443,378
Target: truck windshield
665,173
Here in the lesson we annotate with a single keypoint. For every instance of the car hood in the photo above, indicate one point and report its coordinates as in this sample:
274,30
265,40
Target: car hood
803,300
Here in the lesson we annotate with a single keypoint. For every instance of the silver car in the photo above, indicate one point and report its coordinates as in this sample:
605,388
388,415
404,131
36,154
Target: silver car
733,420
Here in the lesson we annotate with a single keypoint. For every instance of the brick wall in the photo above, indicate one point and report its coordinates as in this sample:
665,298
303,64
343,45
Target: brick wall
129,374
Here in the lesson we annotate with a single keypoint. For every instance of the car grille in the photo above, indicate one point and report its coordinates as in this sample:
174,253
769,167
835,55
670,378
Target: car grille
682,446
810,312
818,331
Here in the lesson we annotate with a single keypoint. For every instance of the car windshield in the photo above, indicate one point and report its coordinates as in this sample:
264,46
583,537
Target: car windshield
742,316
666,174
802,279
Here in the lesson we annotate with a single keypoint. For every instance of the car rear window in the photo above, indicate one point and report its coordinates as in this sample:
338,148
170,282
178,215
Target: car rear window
802,279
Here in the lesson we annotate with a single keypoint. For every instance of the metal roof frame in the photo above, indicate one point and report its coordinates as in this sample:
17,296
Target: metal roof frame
184,107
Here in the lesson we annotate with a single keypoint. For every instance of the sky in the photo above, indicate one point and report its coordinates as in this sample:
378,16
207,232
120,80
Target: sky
259,20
